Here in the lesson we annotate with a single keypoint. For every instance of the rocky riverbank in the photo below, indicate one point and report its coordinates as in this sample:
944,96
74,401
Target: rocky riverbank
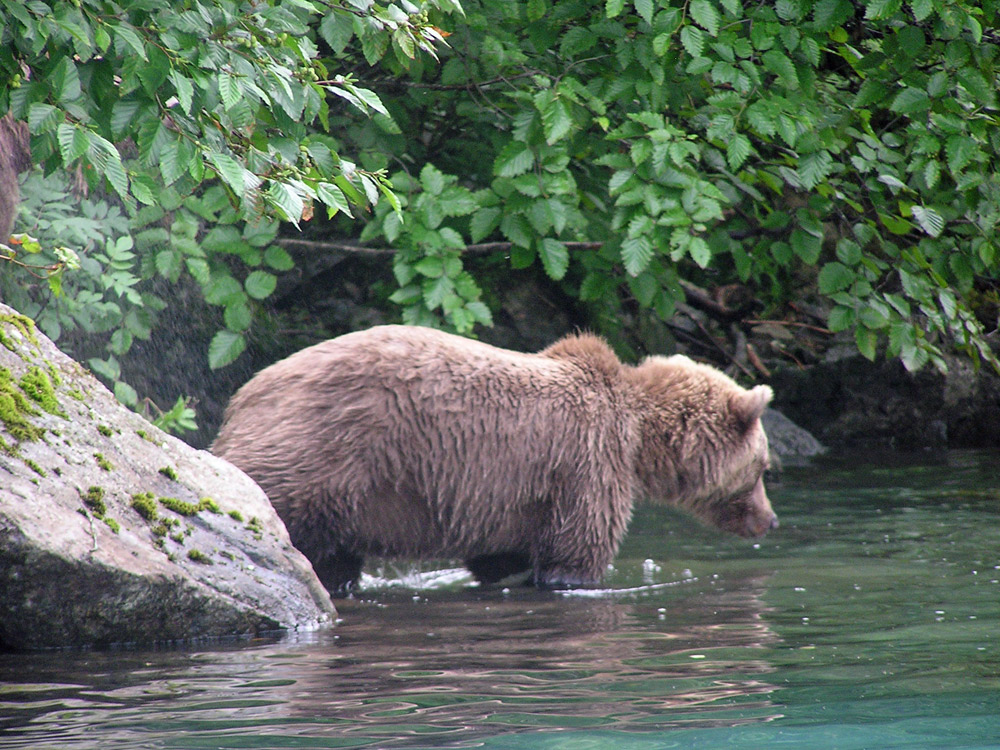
114,532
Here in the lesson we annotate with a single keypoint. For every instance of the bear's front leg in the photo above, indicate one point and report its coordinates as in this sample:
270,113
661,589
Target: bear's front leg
581,538
495,567
572,558
339,572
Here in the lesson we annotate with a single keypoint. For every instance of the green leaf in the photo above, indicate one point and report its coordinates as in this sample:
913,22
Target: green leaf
260,284
121,341
483,222
74,142
457,201
42,118
516,229
431,267
432,179
556,120
407,295
124,32
874,315
929,220
613,8
737,151
515,159
835,277
238,317
555,258
230,90
184,89
168,264
780,64
278,258
849,251
840,319
830,13
922,9
911,101
108,161
535,10
980,91
866,340
126,394
637,252
814,168
480,312
222,290
436,291
224,348
693,40
230,170
960,150
333,198
806,246
336,30
645,10
644,287
700,251
881,8
705,14
65,81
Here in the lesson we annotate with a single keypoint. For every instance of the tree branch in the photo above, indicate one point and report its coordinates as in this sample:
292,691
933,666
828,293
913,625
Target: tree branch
484,248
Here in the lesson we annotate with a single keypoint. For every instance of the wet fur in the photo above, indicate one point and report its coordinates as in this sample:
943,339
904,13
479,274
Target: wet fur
401,441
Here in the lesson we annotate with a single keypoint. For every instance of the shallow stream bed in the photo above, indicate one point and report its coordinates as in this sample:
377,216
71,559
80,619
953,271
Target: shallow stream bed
870,619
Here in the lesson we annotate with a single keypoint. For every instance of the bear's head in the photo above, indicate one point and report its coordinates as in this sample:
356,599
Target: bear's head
703,447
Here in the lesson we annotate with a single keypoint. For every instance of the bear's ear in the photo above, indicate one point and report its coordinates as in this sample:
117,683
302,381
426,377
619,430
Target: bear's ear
747,406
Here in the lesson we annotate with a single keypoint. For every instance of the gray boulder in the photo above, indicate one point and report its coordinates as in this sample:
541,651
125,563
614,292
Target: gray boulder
787,439
114,532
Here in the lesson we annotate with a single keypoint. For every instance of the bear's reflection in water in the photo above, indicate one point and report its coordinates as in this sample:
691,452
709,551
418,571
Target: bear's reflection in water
472,663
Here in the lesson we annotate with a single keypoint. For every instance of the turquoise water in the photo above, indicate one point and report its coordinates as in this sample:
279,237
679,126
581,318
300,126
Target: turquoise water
870,619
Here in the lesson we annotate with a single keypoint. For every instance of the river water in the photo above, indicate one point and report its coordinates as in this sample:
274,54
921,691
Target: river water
870,619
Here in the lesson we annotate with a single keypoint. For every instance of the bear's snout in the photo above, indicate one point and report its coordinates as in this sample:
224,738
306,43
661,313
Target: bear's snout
757,526
759,518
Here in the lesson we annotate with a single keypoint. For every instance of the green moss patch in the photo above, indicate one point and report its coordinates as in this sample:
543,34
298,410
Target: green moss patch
102,462
37,385
210,505
34,467
169,472
145,505
189,509
21,323
15,408
93,498
199,557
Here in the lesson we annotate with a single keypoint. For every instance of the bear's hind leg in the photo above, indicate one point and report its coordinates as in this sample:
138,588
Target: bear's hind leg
495,567
339,573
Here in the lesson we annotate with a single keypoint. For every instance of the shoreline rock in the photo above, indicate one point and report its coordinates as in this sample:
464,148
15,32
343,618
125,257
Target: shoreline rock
850,403
114,532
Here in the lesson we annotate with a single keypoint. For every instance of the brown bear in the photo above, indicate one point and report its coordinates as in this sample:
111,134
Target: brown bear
411,442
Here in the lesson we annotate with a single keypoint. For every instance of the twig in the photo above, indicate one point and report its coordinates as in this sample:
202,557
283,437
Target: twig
807,326
721,348
31,267
698,297
756,361
93,531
